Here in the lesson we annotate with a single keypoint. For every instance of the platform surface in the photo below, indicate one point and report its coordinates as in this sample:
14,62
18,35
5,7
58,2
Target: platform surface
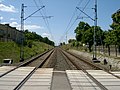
12,79
4,69
108,80
40,80
48,79
80,81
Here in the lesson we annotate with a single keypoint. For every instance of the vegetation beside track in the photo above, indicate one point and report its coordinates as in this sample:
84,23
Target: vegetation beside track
12,50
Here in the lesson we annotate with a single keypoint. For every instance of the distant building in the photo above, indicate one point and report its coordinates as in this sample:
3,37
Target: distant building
8,33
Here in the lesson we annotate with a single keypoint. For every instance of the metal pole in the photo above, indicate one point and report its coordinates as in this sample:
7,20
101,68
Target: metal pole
66,40
22,30
22,34
66,37
95,27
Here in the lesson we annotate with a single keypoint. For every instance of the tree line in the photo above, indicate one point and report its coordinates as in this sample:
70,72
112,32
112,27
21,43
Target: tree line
32,36
85,32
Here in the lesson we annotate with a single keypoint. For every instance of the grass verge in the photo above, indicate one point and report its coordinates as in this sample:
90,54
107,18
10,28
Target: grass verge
12,50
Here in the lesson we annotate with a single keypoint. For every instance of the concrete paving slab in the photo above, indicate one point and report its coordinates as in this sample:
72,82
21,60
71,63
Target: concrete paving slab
41,77
12,79
83,84
4,69
38,83
80,81
109,81
40,80
113,87
9,79
117,73
86,88
35,88
9,83
7,87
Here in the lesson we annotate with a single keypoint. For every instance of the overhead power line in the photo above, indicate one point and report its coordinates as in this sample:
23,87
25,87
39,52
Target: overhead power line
70,24
45,19
34,13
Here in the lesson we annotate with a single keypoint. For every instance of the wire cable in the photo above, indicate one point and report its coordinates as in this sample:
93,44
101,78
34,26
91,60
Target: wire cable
69,26
45,19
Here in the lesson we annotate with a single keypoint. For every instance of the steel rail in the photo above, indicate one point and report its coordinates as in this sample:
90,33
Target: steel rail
94,65
102,87
86,61
32,72
25,63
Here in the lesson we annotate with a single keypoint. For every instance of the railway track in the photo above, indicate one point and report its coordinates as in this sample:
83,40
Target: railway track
80,63
34,61
61,62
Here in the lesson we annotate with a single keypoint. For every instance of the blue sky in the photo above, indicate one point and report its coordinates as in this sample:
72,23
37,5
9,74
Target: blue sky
63,12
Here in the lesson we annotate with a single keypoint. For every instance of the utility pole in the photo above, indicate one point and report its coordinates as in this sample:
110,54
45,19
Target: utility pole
66,40
95,27
66,37
22,30
22,34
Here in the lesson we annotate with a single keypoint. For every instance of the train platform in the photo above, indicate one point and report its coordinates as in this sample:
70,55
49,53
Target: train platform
48,79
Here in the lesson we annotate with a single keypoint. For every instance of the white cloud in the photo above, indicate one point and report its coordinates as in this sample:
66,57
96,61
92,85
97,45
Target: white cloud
1,18
32,27
13,19
29,27
15,24
46,35
9,8
4,22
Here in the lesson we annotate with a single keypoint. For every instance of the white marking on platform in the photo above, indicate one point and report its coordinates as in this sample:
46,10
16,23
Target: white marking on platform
12,79
80,81
4,69
108,80
40,80
117,73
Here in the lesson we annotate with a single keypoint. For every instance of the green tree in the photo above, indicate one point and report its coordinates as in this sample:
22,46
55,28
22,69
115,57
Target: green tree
84,33
71,40
112,37
35,37
116,26
82,27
